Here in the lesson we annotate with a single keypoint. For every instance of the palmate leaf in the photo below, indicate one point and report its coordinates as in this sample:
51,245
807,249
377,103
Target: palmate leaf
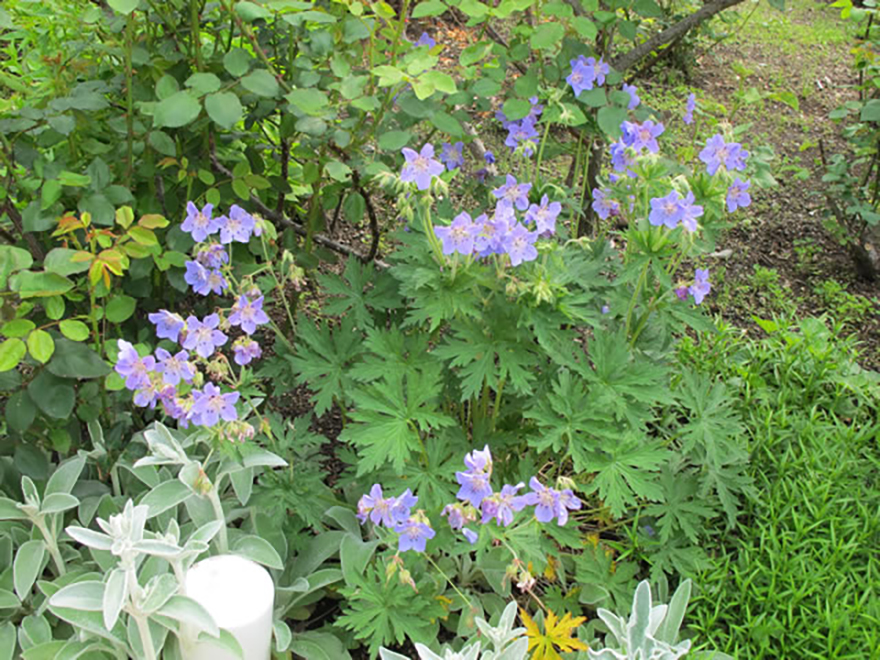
434,296
359,291
392,352
570,420
627,472
484,358
682,508
713,425
322,360
604,582
383,612
392,414
627,383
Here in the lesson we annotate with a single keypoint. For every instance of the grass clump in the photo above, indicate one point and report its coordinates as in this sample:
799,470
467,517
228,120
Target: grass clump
801,577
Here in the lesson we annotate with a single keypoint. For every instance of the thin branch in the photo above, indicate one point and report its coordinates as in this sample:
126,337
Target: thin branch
371,213
625,61
280,218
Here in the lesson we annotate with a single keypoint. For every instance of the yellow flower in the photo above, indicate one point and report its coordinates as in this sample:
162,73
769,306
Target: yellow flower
558,633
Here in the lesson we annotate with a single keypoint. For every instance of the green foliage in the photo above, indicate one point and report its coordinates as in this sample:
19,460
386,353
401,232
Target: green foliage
801,559
381,611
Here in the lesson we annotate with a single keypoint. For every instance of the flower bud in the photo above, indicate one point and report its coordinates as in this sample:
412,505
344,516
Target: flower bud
543,292
218,369
297,277
406,578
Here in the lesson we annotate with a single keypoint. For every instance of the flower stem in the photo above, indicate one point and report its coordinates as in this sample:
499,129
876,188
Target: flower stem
143,626
222,537
448,580
51,546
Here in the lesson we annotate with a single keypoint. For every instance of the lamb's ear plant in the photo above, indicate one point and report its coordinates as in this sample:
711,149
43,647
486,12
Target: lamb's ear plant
507,642
138,603
652,631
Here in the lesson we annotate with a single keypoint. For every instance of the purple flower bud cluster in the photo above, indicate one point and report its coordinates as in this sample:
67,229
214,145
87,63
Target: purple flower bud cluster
477,500
502,233
172,378
587,73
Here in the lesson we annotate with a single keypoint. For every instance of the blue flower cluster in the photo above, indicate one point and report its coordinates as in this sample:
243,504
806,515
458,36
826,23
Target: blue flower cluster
173,379
476,499
503,233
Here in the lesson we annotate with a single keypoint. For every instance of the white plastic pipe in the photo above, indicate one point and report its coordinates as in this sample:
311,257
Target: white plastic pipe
240,595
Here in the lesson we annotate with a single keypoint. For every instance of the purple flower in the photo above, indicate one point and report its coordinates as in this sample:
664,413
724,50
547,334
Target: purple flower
642,136
718,152
621,159
536,110
513,193
426,40
470,535
413,535
701,286
474,481
213,256
174,368
451,155
489,157
634,99
582,76
132,367
520,245
738,195
246,350
481,174
479,459
147,397
689,109
459,236
420,167
606,309
522,133
544,216
216,283
501,506
690,213
667,210
455,513
237,227
377,508
402,504
168,325
196,276
567,500
203,336
545,500
199,224
603,205
173,406
491,233
211,405
682,292
248,314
